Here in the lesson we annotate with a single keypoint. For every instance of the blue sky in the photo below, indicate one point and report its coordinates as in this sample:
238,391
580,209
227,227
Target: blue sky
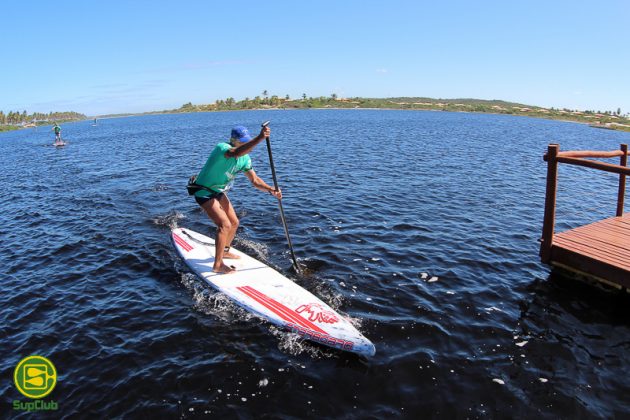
131,56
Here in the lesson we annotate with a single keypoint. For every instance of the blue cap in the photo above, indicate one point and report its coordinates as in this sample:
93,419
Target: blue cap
241,134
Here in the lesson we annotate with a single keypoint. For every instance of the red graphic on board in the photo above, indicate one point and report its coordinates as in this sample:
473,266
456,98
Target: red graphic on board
181,242
318,313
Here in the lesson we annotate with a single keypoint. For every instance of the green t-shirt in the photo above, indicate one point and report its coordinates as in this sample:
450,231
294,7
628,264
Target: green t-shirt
219,171
57,129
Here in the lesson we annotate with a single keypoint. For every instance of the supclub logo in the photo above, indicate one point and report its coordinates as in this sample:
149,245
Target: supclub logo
35,377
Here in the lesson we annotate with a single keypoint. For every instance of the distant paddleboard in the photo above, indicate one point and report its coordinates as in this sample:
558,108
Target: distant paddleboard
59,143
262,290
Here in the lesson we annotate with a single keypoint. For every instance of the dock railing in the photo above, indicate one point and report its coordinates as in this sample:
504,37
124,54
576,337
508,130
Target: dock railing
579,158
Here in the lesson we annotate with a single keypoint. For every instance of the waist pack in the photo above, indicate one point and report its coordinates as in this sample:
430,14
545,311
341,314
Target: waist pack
193,187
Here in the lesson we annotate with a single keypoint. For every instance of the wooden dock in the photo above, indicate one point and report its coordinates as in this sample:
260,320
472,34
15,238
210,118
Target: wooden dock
598,251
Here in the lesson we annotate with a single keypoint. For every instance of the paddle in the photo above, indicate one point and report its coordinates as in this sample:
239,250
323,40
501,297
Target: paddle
275,184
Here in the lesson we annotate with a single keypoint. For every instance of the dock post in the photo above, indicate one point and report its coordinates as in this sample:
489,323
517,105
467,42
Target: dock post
550,202
622,181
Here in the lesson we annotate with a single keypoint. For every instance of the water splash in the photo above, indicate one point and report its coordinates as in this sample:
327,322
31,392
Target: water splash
170,220
295,345
210,302
260,250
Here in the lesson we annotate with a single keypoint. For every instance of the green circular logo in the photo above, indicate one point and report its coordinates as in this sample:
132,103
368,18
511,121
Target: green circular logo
35,377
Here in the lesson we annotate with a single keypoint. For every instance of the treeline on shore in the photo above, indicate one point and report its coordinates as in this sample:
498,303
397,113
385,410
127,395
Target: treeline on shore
607,119
14,120
604,119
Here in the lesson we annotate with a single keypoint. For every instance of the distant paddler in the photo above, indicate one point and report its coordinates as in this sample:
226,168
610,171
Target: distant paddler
210,188
57,131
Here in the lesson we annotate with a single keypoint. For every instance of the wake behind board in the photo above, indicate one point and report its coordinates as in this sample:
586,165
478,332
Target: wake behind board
268,294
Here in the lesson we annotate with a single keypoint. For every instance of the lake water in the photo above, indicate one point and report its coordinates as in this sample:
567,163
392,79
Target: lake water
421,226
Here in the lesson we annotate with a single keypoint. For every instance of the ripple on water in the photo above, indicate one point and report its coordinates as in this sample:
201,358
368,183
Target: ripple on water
431,252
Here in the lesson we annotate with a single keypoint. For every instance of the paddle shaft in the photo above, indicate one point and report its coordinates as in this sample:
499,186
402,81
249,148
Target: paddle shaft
284,221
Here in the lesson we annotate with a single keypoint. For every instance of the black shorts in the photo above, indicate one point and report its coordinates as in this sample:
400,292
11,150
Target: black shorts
203,200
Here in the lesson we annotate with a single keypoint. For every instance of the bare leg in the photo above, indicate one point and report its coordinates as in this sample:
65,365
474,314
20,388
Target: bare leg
219,217
226,205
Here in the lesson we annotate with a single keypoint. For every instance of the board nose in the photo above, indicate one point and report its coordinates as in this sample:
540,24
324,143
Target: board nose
366,347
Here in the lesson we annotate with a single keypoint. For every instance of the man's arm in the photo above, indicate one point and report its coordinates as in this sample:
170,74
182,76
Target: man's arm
245,148
262,185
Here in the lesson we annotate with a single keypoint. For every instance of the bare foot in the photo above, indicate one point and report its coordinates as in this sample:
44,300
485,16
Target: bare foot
230,256
224,269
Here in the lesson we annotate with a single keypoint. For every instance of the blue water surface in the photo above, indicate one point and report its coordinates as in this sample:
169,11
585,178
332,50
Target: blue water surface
422,227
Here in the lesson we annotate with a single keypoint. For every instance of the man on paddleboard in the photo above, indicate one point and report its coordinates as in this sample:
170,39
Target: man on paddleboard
57,131
216,177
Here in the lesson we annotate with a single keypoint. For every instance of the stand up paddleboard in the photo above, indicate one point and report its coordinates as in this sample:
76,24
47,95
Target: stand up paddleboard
59,143
268,294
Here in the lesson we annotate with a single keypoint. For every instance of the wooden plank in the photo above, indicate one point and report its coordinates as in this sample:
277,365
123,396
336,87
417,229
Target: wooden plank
614,220
596,164
621,224
582,264
618,221
590,266
603,238
590,154
618,260
583,276
612,237
606,234
624,218
595,260
598,238
611,231
619,228
612,255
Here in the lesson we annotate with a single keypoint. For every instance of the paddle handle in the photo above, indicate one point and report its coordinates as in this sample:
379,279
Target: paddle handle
275,184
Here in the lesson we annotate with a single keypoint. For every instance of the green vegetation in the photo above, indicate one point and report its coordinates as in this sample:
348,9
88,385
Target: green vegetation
8,128
601,119
15,120
606,119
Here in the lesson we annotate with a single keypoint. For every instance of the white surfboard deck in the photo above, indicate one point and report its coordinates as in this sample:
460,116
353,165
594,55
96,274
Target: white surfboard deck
262,290
59,144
